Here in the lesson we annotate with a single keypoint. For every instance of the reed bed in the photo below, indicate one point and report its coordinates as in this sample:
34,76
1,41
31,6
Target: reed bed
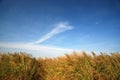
75,66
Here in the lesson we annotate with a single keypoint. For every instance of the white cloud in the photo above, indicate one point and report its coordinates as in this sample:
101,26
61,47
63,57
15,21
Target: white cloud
42,51
59,27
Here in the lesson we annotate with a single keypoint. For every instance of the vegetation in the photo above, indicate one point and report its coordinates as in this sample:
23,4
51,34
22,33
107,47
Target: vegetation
20,66
75,66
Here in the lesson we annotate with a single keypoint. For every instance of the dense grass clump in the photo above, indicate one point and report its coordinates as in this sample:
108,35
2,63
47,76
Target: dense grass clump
20,66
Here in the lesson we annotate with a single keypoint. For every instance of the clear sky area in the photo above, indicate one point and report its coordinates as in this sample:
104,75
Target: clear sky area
49,28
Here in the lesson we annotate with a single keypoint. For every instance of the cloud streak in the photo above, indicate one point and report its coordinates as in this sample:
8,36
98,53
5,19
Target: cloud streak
36,50
36,47
59,28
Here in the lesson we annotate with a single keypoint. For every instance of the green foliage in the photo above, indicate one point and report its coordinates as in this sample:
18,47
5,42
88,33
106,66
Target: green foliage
21,66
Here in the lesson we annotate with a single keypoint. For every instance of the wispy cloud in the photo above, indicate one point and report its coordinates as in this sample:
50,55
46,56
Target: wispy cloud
59,28
35,46
34,49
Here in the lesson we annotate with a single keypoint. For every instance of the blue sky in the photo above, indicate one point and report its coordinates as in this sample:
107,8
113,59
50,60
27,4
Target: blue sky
54,27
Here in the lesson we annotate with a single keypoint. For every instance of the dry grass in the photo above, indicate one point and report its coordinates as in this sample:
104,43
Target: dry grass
20,66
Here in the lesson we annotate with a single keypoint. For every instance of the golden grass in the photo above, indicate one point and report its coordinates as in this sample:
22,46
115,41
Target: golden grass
75,66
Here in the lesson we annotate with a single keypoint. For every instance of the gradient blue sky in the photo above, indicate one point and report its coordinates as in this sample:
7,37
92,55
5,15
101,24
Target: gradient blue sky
90,25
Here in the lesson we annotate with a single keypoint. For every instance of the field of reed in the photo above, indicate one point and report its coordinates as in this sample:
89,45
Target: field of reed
75,66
